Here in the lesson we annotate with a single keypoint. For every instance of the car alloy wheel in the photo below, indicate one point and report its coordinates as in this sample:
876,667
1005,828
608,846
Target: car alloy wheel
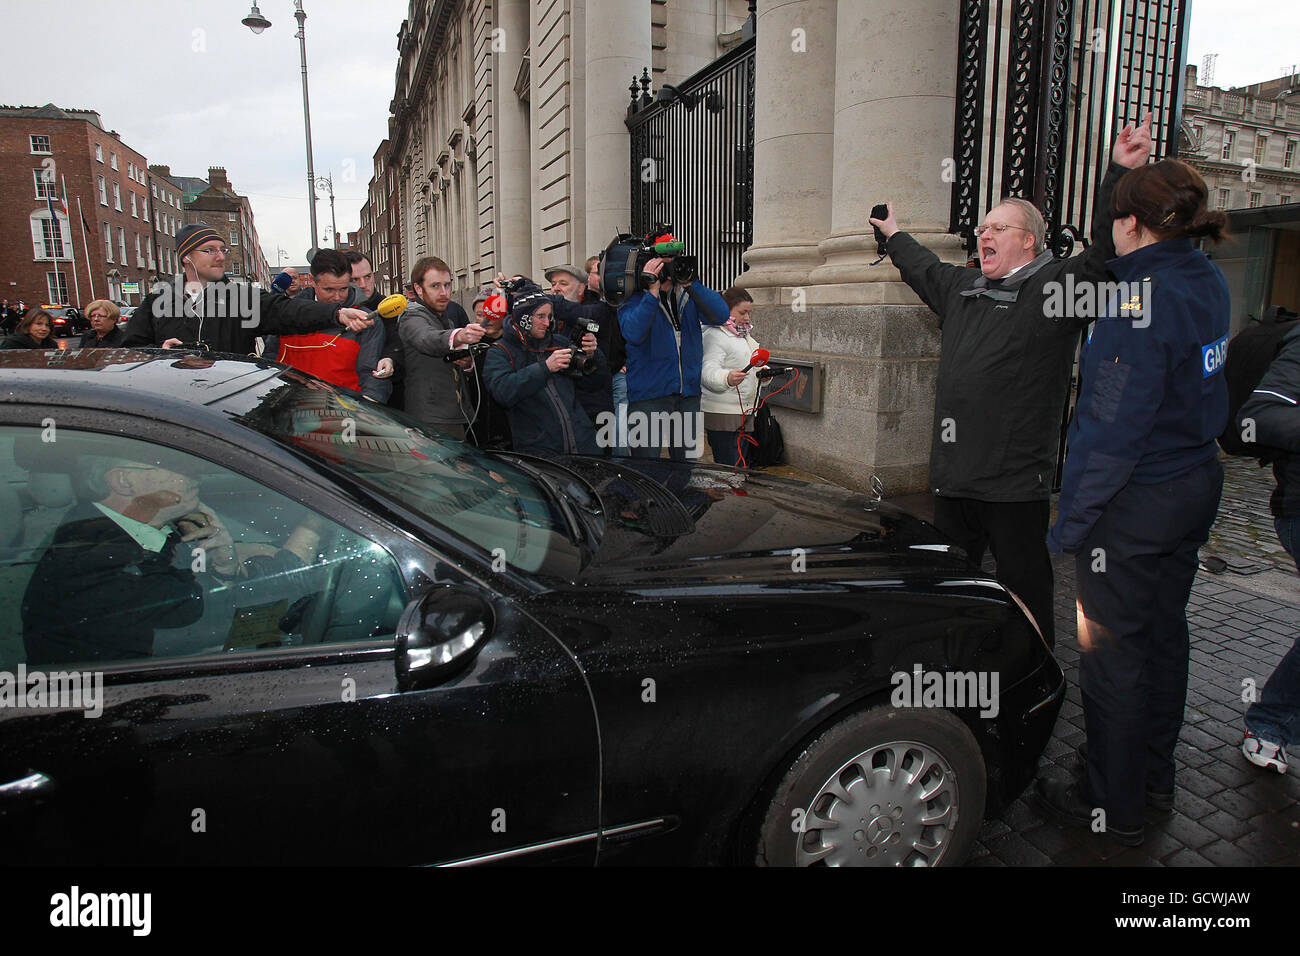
886,787
892,805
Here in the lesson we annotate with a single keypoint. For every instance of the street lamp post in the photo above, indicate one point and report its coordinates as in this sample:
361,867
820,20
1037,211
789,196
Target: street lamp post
257,23
327,183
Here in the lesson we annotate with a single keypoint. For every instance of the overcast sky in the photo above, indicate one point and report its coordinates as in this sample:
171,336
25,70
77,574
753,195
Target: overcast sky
187,85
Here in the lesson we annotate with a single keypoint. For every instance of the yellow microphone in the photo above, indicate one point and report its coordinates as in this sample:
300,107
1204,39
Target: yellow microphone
390,307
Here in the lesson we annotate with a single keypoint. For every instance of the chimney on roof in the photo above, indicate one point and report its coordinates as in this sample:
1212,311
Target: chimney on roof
217,177
161,170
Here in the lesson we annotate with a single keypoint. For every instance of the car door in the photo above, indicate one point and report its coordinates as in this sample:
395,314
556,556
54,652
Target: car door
269,726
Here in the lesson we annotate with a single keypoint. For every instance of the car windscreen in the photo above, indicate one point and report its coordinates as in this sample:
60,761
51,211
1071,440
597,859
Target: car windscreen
486,501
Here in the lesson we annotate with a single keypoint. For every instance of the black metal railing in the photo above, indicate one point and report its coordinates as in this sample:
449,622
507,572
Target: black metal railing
1036,115
693,162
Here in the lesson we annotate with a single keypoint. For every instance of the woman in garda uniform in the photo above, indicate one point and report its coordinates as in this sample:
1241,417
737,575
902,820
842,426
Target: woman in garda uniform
727,391
1140,491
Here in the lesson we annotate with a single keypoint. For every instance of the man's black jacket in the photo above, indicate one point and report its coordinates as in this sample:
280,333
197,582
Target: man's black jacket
1004,364
97,595
166,313
91,339
1274,407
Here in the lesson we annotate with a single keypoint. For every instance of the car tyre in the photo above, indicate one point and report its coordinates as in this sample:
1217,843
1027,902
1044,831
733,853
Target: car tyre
885,787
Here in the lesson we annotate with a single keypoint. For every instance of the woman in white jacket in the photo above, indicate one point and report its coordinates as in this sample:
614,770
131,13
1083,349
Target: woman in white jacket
728,392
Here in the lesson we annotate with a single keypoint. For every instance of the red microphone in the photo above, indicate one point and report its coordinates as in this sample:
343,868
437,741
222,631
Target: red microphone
759,359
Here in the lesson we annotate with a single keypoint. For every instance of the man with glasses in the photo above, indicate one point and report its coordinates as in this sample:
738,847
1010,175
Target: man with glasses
1004,375
202,310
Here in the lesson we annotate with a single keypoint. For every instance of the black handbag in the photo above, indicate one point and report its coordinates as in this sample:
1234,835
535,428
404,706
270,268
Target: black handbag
770,447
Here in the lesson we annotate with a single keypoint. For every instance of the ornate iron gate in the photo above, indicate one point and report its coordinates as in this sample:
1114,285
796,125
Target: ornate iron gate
1046,85
693,162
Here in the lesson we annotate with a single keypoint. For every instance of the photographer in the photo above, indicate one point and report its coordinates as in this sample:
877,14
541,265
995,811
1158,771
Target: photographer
575,302
531,372
662,331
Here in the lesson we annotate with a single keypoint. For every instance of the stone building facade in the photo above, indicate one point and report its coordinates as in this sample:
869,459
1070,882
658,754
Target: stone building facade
1245,142
507,138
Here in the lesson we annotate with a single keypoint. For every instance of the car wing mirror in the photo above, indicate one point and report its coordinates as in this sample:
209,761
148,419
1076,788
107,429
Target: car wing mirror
440,632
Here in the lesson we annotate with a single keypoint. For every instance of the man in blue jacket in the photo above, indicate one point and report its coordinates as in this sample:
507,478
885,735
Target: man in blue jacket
665,350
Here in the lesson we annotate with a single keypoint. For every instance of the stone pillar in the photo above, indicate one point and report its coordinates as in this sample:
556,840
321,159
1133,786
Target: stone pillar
895,86
618,47
816,297
793,140
514,170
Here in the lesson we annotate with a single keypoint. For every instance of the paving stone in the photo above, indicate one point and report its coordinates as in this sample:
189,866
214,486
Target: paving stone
1188,832
1235,802
1264,849
1193,781
1223,853
1225,825
1186,857
1015,850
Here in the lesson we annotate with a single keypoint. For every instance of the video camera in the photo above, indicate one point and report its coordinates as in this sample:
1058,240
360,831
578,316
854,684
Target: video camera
622,264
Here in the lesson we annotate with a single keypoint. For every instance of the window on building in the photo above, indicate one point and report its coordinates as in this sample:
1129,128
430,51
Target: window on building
1256,200
56,284
103,192
1261,149
157,220
117,197
112,160
135,213
234,238
108,243
44,185
99,152
231,216
121,242
153,189
139,253
130,171
1225,196
1284,198
51,238
1289,159
1229,143
40,144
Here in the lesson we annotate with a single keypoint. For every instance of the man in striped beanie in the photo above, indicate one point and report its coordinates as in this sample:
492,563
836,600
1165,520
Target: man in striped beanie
201,309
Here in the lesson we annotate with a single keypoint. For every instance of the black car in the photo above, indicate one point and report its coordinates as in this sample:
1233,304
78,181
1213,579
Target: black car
326,635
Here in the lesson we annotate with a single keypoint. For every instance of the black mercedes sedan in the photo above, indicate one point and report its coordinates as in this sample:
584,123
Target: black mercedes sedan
249,618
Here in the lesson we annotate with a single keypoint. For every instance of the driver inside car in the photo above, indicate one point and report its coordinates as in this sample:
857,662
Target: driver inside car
141,555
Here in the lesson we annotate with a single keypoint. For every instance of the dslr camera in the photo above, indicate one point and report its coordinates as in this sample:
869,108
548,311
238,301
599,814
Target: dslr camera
473,350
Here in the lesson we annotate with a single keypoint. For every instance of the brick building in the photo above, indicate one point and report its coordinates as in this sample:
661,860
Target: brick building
167,198
45,151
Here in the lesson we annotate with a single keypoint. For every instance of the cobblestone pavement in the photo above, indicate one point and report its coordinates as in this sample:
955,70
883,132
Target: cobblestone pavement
1227,812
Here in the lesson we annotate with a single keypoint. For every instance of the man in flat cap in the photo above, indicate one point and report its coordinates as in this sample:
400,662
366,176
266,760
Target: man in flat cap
203,311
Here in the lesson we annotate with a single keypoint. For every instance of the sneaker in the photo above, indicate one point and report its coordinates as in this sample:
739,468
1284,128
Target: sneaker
1264,753
1063,802
1158,801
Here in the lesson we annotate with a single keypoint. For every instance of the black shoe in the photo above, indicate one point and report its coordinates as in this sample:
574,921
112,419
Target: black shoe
1062,801
1160,801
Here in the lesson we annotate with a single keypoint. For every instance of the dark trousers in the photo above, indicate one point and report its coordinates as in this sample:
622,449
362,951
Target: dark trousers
1275,717
1016,532
1134,576
679,405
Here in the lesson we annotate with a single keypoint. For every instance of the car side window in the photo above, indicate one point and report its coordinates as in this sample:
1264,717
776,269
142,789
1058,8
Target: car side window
114,549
